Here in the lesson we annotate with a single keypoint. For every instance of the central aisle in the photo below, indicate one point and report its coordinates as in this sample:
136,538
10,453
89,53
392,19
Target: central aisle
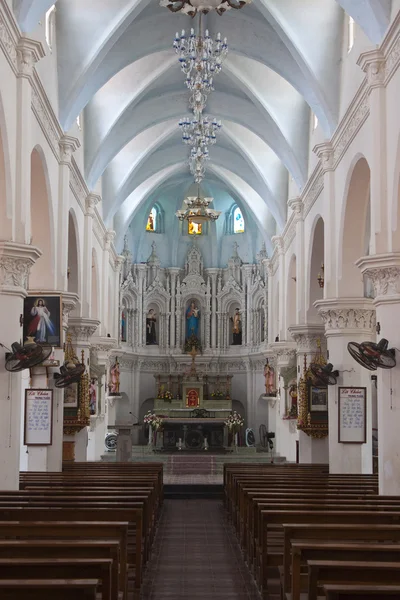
196,556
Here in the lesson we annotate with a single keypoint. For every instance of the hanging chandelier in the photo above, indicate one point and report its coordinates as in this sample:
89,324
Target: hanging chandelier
197,159
200,58
199,130
192,7
197,210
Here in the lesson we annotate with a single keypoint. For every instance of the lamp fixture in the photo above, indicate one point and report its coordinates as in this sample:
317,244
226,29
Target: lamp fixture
197,210
198,156
192,7
199,130
320,277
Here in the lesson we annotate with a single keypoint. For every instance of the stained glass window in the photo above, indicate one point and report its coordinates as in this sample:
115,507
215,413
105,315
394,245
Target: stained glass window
238,221
194,228
151,221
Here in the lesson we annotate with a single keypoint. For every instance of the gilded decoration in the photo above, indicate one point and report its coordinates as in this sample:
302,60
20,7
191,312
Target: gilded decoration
76,409
311,419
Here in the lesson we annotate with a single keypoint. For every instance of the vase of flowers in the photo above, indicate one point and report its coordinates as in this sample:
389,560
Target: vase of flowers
217,394
234,422
155,423
167,396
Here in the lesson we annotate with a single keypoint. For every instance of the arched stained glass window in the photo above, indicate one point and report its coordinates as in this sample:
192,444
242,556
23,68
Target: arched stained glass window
50,26
238,221
152,220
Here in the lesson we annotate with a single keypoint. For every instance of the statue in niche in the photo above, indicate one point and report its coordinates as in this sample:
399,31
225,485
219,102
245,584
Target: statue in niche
92,396
236,321
269,374
151,321
192,320
123,326
115,379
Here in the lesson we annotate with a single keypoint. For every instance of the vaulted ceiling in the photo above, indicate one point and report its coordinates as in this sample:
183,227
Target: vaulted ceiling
115,61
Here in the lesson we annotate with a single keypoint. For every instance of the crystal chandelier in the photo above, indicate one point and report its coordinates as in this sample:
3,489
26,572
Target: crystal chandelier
191,7
199,130
198,156
200,58
197,210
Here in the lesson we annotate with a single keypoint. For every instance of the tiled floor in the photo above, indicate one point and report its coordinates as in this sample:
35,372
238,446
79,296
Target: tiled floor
196,556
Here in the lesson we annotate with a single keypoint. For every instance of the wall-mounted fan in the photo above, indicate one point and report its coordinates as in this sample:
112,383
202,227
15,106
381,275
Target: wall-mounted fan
324,373
70,372
371,355
26,356
263,435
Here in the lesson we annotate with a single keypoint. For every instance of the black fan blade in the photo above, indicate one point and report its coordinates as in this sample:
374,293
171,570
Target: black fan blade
356,353
387,360
24,357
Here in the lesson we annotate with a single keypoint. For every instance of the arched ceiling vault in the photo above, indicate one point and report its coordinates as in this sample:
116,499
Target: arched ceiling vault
116,61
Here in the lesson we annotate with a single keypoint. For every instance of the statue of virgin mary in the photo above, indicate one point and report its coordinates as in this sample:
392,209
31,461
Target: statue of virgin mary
192,320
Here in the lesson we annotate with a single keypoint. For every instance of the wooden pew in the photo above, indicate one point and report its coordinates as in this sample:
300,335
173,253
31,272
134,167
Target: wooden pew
322,572
357,592
48,589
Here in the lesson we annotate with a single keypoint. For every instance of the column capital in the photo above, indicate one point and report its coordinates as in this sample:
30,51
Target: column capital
325,153
346,316
69,301
68,145
278,242
297,206
285,352
384,272
119,261
91,201
373,63
307,337
29,52
82,328
109,237
16,261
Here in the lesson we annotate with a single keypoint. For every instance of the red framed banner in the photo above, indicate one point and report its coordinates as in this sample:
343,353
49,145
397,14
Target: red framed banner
38,422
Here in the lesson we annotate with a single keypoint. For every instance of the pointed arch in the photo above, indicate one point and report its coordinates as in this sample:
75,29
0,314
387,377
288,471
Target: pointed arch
315,263
42,275
74,279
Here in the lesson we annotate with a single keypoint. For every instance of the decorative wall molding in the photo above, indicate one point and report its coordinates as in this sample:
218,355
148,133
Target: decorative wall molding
69,301
9,35
347,313
82,329
307,337
16,261
384,272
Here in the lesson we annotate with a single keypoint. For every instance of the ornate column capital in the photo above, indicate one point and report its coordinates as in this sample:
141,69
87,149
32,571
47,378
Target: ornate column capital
346,316
373,63
16,261
119,261
29,52
325,153
279,243
307,337
109,237
91,202
69,301
68,145
384,272
82,329
297,206
285,352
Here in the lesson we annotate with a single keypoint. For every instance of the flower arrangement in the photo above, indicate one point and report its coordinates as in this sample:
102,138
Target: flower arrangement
217,394
192,342
167,395
154,420
235,421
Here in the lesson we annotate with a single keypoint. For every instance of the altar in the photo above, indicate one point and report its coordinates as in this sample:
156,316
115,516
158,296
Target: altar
194,409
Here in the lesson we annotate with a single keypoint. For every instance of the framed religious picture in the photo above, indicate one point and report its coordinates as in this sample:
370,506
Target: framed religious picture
43,319
71,395
318,398
38,421
352,408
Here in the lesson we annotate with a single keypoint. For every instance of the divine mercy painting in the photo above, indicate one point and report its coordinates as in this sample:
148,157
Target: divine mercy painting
42,319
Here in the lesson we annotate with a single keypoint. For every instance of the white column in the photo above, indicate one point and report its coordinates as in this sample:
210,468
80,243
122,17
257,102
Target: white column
119,261
213,274
277,240
173,272
28,52
384,271
297,206
268,322
16,261
105,317
86,300
141,318
348,320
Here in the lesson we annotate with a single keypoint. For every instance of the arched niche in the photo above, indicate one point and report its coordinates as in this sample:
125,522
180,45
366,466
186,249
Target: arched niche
316,270
231,310
73,254
291,293
5,183
355,230
153,331
42,231
95,292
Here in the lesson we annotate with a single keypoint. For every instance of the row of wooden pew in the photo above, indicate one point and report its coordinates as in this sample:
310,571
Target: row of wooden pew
84,533
307,534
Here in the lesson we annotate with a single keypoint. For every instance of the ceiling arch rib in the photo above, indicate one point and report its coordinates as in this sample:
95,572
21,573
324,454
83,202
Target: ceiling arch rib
29,12
177,154
172,105
373,16
151,34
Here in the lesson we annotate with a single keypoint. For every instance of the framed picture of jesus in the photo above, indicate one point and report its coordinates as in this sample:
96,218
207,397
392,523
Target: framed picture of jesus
42,319
192,398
